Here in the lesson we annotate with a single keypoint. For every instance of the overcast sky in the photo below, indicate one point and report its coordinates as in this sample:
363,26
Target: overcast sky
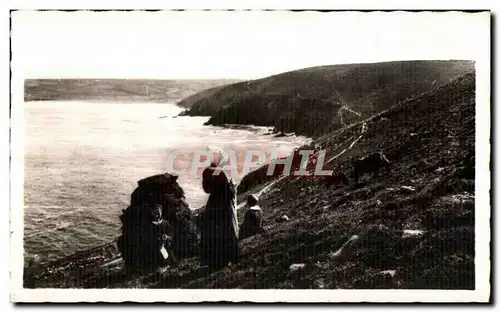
249,45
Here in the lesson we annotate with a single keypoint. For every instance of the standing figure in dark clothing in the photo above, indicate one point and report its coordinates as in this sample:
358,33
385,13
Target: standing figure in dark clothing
219,224
252,223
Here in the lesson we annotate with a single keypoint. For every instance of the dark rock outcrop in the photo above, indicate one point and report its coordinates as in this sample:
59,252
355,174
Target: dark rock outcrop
314,101
163,189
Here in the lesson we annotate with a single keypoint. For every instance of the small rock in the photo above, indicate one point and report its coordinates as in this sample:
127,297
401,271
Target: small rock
409,233
390,189
297,266
283,218
413,134
319,283
379,203
408,188
392,273
439,169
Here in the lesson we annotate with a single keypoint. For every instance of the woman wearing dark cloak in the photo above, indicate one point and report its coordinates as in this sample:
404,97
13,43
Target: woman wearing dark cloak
219,225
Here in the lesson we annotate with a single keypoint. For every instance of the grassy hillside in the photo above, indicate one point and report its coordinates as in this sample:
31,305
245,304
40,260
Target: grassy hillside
316,100
414,226
138,90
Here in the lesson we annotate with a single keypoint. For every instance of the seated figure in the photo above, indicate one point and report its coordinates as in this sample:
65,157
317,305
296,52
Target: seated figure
146,237
252,222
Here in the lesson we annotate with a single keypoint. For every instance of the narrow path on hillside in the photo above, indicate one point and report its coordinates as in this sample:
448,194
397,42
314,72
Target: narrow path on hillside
339,113
363,130
268,187
350,110
250,88
344,104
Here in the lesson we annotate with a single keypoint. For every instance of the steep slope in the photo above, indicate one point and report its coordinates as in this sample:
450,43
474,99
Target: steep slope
316,100
410,228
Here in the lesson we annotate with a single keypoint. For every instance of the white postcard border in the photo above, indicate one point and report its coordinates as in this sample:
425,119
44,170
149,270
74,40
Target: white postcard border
481,294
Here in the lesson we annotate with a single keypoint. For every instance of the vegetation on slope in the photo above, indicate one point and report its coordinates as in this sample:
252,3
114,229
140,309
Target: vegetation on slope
316,100
125,90
429,139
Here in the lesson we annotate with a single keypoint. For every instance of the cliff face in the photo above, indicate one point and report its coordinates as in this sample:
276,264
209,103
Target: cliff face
316,100
412,227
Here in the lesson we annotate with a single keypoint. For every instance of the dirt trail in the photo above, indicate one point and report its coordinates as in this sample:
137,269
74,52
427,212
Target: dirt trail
267,188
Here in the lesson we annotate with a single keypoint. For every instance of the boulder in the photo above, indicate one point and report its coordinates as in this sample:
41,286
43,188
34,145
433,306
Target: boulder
297,266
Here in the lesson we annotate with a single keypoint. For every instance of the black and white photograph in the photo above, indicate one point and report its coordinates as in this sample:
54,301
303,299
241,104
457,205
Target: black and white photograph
250,155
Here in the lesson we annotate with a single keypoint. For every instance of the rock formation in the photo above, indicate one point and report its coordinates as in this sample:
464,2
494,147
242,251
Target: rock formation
162,189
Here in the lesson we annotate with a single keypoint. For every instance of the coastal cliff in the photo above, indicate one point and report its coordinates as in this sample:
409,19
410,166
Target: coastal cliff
314,101
411,228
